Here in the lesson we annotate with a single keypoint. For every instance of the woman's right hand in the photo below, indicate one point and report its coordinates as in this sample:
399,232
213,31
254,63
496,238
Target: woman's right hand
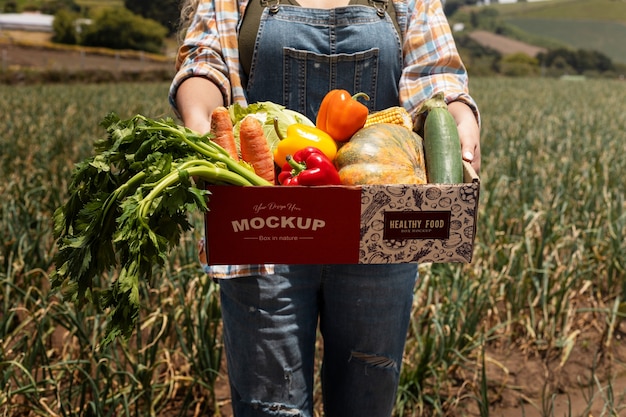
196,99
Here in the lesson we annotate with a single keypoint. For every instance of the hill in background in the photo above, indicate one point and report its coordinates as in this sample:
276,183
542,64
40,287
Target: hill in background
598,25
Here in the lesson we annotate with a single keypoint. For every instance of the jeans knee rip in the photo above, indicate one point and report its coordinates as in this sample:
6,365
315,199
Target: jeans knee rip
277,409
375,361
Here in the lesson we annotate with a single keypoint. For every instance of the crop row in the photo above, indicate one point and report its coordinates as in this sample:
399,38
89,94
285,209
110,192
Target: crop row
548,274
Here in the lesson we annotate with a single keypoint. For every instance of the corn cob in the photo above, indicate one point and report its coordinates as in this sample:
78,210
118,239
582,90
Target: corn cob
395,115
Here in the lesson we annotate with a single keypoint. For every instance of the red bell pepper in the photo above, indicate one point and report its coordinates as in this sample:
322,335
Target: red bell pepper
341,115
308,166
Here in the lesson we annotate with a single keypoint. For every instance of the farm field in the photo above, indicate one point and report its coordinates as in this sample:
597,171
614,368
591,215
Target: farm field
608,10
533,327
602,36
581,24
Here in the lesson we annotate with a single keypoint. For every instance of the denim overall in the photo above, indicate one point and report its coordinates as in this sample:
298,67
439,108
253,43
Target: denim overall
301,54
270,322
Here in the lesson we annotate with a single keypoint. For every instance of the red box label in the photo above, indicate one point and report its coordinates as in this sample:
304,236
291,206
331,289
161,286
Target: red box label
286,224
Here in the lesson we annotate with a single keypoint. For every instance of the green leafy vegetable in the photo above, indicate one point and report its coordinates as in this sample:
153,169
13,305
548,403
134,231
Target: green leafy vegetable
127,208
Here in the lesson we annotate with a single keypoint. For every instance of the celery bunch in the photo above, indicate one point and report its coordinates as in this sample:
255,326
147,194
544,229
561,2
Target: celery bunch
127,208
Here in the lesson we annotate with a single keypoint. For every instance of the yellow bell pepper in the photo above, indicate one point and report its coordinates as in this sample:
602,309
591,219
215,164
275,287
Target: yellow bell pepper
300,136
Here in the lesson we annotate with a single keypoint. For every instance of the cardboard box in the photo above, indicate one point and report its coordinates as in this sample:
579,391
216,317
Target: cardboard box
343,224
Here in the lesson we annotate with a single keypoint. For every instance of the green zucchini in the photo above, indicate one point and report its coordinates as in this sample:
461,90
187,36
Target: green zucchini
442,147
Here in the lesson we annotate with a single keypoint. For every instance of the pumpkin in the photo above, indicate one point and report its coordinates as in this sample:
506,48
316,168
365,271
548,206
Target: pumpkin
382,153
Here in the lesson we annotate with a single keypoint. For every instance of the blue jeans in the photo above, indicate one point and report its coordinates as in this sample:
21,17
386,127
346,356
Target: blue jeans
270,328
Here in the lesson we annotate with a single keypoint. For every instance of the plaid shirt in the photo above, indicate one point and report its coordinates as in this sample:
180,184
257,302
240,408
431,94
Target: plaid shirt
431,64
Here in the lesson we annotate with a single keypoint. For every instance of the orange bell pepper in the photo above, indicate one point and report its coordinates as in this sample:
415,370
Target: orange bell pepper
341,115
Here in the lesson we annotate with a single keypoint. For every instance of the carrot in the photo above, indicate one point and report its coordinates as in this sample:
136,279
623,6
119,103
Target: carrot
222,130
254,148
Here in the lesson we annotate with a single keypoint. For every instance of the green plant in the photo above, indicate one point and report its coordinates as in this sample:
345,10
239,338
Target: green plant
65,27
119,28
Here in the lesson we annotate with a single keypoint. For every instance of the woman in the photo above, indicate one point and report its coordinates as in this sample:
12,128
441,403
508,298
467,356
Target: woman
293,52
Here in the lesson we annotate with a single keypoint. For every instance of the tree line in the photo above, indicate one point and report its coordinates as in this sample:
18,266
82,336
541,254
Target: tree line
139,25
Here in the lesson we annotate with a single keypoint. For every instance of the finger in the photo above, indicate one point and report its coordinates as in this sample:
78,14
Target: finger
471,153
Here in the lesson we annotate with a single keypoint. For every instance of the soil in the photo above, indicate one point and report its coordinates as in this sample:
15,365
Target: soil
522,381
589,382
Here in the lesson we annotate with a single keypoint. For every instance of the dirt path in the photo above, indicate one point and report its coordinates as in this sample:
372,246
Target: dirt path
32,50
503,44
14,57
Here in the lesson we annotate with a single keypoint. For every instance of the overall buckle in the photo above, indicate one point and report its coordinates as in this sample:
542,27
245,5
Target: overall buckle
272,4
380,6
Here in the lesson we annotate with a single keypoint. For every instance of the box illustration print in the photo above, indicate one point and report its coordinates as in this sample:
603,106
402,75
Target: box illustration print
430,223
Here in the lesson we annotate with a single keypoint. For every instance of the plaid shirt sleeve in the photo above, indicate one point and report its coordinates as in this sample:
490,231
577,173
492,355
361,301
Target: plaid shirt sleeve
210,49
431,61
